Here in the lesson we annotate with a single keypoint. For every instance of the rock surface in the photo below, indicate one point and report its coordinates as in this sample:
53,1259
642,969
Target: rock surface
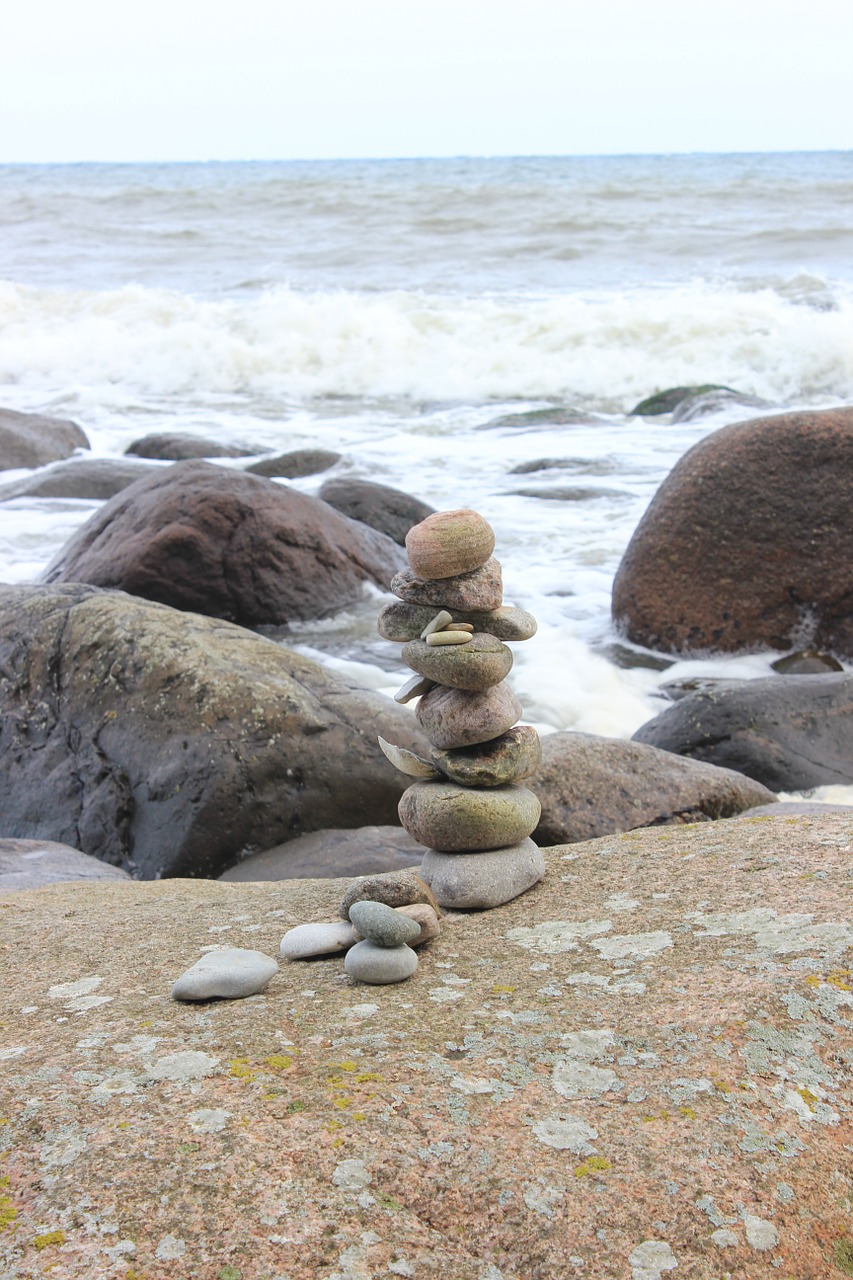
177,446
217,541
231,974
330,852
790,733
590,786
747,543
98,478
33,440
378,505
645,1061
295,464
28,864
168,743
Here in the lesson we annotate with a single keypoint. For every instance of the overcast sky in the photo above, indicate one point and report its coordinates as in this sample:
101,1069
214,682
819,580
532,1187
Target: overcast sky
269,79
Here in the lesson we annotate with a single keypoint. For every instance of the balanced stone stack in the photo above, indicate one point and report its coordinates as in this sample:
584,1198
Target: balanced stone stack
466,806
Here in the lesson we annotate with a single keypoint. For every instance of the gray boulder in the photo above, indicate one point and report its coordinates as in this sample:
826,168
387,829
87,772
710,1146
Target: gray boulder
177,446
590,786
29,864
789,732
389,510
295,464
169,744
33,440
98,478
323,855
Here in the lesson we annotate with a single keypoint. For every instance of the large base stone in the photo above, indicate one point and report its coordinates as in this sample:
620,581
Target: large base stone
465,880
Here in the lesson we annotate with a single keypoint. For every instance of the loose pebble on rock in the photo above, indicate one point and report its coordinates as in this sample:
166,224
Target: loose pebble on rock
366,962
226,975
322,939
382,924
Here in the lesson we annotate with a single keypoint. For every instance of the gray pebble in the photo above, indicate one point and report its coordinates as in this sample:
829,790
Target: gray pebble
322,939
228,975
382,924
378,965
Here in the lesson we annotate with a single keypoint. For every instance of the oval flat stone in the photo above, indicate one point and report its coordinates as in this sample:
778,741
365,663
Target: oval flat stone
458,718
380,965
450,818
481,590
399,621
323,939
414,766
394,888
463,881
382,924
448,543
478,665
516,754
226,975
441,639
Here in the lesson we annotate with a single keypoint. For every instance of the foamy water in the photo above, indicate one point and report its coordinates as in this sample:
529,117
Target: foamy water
396,311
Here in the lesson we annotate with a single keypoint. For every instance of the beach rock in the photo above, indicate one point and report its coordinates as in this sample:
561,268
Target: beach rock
28,864
532,419
98,478
808,662
401,622
382,924
591,786
226,975
177,446
328,937
450,543
790,733
747,543
450,818
455,718
33,440
295,464
476,665
366,962
388,510
466,881
513,756
667,401
168,743
659,1033
480,590
217,541
331,852
395,889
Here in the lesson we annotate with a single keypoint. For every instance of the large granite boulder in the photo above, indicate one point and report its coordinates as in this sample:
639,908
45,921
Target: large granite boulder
789,732
169,744
321,855
177,446
641,1069
748,542
389,510
590,786
32,440
28,864
217,541
91,478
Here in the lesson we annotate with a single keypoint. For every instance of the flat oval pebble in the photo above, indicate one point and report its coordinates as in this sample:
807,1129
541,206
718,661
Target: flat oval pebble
448,543
463,881
322,939
399,621
226,975
516,754
380,965
395,888
476,666
382,924
457,718
440,639
414,766
481,590
450,818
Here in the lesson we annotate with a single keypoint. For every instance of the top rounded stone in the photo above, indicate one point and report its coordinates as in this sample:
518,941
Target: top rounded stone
449,543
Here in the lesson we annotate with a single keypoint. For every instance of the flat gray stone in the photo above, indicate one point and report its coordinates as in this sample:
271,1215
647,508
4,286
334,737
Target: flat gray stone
380,965
322,939
226,975
482,880
382,924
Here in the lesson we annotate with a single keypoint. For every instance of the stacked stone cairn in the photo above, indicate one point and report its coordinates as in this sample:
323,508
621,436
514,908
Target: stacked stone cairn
466,806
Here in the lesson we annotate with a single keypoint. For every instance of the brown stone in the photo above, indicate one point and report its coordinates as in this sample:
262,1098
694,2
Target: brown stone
476,665
448,543
394,888
748,542
399,621
389,510
513,756
480,591
454,819
455,718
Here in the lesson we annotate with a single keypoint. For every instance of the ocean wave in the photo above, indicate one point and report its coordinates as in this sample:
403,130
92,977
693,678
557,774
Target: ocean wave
604,352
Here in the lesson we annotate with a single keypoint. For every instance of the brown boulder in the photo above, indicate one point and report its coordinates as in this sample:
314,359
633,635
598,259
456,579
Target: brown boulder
216,541
177,446
590,786
748,542
388,510
295,464
33,440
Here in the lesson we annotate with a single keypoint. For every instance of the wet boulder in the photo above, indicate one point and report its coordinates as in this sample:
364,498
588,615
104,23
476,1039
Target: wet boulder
177,446
295,464
33,440
88,478
389,510
217,541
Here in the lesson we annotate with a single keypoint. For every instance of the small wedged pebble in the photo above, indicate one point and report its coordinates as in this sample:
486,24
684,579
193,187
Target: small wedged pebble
394,888
366,962
325,938
451,818
459,718
465,881
477,665
382,924
408,762
481,590
448,543
226,975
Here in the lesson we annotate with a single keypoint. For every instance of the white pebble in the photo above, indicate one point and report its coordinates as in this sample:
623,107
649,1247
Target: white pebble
322,939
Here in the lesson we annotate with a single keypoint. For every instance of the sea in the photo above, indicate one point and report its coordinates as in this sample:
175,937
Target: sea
414,315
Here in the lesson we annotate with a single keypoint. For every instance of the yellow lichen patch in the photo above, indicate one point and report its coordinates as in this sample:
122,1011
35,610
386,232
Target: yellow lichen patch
331,1125
241,1069
809,1098
349,1065
364,1076
688,1112
595,1164
840,978
500,990
358,1115
722,1085
4,1120
341,1102
813,980
337,1142
50,1237
8,1213
278,1061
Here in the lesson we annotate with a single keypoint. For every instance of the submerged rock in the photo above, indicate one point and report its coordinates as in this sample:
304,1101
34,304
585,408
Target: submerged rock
33,440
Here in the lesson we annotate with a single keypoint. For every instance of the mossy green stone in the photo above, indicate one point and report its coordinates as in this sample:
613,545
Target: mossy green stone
476,666
509,758
454,819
